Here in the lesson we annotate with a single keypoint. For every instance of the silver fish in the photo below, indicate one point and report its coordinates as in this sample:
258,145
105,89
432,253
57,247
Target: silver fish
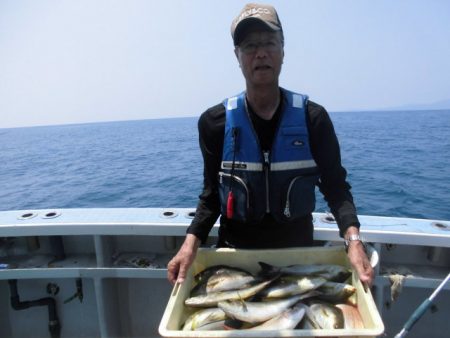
213,326
256,312
291,285
197,290
211,299
286,320
221,278
337,292
205,317
330,272
211,270
225,285
307,323
229,279
325,316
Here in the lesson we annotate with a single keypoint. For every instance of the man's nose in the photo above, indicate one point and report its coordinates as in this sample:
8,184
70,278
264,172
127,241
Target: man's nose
261,51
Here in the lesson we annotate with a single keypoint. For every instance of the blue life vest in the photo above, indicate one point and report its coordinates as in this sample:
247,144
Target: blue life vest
280,182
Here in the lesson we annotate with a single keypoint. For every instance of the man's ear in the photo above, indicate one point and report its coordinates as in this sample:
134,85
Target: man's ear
236,52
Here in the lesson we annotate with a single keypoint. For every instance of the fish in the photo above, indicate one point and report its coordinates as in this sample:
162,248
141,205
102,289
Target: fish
205,317
291,285
331,272
337,292
211,270
324,315
213,298
286,320
256,312
226,279
234,324
206,273
221,278
352,317
197,290
213,326
307,323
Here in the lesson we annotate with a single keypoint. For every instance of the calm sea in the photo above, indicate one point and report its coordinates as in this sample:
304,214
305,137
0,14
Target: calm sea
398,164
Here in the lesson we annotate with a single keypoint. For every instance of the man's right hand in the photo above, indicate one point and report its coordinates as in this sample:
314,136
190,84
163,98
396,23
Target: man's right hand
180,263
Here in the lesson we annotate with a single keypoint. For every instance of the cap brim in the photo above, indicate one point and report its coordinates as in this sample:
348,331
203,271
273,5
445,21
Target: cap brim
248,23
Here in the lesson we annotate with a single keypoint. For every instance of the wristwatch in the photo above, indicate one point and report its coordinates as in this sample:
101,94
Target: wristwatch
350,239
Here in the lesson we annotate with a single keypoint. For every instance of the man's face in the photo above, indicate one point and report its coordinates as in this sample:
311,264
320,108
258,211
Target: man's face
260,55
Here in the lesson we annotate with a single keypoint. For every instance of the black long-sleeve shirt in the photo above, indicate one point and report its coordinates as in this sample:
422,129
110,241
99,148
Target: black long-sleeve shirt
326,153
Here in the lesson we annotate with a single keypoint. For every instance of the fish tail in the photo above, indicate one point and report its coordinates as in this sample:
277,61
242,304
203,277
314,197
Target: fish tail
268,270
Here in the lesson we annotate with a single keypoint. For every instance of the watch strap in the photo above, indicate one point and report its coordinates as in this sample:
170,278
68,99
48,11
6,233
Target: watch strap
351,238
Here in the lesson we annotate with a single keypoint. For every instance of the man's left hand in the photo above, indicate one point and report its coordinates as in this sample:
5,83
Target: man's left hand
360,262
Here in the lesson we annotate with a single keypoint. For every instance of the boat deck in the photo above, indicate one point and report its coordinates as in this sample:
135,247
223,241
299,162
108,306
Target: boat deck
116,295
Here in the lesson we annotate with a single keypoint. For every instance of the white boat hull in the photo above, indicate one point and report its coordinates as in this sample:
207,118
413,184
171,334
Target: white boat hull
123,301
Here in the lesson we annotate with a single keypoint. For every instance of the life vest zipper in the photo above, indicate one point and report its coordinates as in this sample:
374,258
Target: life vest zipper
266,154
266,174
287,211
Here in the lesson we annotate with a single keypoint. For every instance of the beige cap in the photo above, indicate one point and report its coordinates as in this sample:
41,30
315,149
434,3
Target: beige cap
254,13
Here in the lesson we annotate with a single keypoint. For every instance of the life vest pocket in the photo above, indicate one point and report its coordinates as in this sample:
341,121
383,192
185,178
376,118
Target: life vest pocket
241,196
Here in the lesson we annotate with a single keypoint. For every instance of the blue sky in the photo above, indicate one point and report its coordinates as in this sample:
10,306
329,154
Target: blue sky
87,61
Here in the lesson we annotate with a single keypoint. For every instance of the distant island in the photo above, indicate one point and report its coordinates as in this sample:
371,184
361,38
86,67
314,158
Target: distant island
445,104
440,105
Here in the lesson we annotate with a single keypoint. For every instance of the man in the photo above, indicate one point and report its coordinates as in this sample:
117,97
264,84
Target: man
264,152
